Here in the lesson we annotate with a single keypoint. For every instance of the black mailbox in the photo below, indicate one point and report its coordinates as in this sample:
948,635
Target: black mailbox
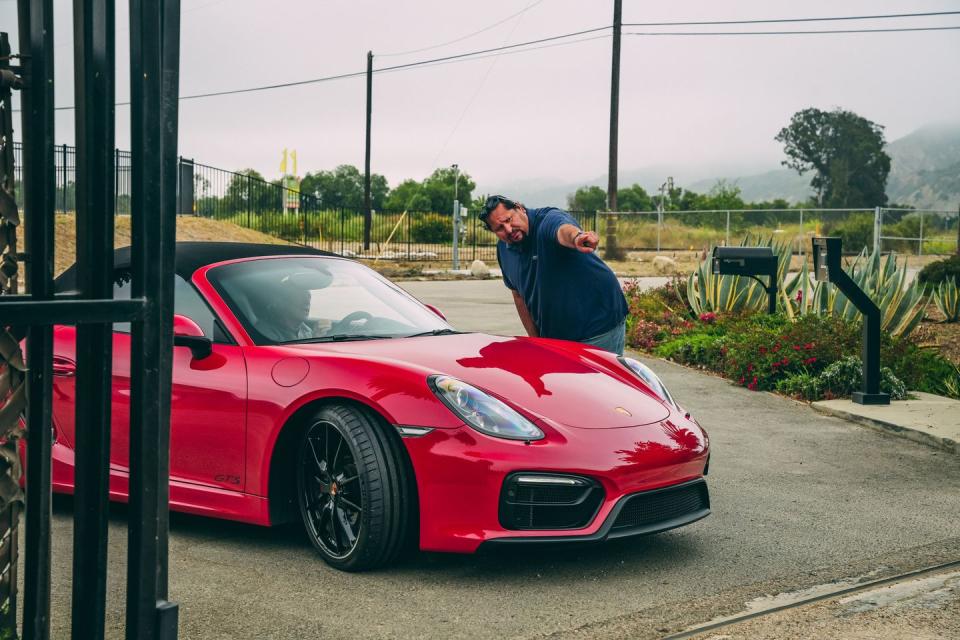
827,268
750,262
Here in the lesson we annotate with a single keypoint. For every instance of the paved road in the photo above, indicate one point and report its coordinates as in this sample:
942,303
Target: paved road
799,500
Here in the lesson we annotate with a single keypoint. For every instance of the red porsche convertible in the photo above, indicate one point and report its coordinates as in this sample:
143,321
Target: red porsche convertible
306,386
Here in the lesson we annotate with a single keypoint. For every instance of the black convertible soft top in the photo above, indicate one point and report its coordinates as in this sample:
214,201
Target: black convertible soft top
190,256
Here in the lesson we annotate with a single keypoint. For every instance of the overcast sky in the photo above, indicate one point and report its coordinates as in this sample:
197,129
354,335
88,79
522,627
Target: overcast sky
691,101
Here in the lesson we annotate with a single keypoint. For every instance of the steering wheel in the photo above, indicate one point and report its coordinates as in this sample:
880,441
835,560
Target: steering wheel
347,320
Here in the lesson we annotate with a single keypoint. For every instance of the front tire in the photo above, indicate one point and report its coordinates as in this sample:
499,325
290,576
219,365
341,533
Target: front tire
354,489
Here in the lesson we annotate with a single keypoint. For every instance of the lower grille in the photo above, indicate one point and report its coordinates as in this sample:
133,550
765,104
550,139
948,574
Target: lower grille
548,506
651,508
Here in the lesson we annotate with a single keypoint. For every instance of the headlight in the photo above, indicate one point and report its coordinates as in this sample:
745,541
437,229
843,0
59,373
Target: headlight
481,411
649,378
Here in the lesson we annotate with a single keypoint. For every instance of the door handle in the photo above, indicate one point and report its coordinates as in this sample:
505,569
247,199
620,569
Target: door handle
64,367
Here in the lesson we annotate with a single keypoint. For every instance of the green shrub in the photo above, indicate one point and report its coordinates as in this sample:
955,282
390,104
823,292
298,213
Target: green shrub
856,230
763,350
923,369
432,228
802,385
936,272
845,376
951,384
700,349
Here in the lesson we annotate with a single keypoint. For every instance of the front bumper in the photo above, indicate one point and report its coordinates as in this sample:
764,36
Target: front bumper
461,475
636,514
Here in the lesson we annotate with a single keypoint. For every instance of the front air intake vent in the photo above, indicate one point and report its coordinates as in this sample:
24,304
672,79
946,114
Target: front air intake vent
548,501
657,509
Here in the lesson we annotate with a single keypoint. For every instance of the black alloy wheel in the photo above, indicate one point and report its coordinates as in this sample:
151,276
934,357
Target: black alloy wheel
354,488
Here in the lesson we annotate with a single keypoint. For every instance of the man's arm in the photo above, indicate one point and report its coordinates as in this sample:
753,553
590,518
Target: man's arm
524,314
571,237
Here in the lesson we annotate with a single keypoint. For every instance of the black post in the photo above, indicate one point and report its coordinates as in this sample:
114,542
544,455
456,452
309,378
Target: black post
612,251
367,216
154,80
39,180
827,267
94,96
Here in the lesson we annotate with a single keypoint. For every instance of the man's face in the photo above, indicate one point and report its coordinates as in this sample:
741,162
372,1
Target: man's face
510,225
295,307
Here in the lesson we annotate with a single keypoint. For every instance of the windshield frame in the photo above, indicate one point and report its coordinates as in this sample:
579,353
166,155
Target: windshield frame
207,280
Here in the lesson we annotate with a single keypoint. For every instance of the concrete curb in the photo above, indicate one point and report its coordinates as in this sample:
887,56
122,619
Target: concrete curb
943,443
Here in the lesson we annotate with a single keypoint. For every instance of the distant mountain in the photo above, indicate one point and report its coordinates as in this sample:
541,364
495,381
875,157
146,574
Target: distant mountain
924,173
925,168
544,192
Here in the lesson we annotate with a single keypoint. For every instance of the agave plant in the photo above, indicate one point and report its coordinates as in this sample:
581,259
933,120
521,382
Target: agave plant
709,292
885,281
947,298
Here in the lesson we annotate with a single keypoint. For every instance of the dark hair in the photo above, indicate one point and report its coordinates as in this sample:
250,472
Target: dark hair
491,203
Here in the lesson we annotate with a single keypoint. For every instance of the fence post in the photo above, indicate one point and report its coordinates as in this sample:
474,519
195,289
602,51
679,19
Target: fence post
728,229
249,202
877,228
63,189
920,247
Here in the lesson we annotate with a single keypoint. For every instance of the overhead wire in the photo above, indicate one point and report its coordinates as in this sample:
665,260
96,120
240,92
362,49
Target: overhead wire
462,38
787,20
785,33
526,46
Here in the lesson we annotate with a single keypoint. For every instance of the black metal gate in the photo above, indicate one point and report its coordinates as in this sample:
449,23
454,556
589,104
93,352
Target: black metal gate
154,73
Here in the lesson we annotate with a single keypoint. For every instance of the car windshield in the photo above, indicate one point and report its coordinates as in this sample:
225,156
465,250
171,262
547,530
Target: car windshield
305,299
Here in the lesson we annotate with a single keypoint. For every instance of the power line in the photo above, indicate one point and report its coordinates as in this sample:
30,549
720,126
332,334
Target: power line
786,33
462,38
517,46
355,74
784,20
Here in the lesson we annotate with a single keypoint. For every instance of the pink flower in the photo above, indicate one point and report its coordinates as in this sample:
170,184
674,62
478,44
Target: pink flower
709,317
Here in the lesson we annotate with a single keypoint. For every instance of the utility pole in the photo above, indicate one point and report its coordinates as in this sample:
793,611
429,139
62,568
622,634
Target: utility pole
367,216
612,251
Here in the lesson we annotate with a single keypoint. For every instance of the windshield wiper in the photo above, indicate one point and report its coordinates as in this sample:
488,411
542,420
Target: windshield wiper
343,337
434,332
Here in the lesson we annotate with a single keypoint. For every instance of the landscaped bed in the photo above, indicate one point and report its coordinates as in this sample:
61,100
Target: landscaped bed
810,348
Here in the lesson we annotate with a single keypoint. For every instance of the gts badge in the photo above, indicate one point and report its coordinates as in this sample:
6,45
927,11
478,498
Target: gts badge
227,479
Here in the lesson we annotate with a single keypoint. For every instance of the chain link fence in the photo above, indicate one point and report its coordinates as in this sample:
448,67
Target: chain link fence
917,232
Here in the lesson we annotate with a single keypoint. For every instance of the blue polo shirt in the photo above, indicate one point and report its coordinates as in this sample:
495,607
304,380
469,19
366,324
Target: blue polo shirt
570,295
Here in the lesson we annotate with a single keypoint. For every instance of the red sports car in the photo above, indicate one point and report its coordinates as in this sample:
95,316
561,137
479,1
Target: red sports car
305,385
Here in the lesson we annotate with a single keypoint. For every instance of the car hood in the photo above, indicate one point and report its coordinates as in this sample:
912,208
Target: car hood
561,381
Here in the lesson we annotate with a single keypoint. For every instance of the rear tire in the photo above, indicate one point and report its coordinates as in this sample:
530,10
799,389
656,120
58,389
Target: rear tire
354,489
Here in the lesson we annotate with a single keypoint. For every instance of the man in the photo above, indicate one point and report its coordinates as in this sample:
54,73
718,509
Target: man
561,288
285,316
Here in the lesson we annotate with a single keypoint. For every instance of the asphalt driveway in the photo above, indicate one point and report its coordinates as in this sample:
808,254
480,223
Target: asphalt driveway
799,499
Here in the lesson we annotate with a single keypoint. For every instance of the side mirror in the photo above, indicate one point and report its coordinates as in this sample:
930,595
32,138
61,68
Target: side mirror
435,310
187,333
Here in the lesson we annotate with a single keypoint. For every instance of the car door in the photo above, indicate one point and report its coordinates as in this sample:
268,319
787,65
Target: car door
208,399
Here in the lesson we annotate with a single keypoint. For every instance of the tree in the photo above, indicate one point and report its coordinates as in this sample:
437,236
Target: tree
633,198
587,199
439,187
435,193
248,191
846,153
343,187
407,196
